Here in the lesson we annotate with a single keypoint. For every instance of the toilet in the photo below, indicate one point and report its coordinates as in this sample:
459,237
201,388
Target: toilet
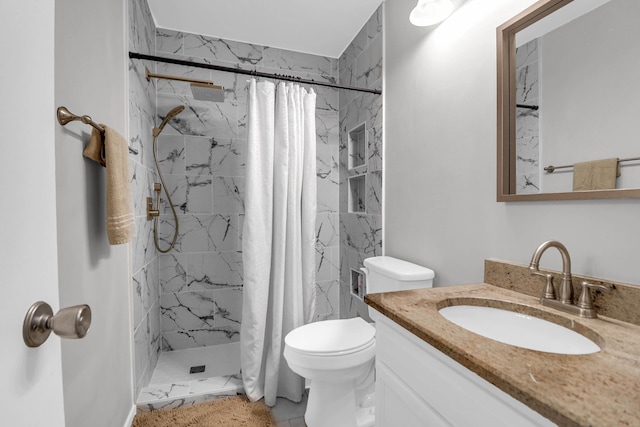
337,356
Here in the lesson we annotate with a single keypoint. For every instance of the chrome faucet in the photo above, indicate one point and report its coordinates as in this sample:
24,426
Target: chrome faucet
584,306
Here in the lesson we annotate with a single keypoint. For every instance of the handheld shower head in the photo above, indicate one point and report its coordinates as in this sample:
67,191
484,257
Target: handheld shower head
171,114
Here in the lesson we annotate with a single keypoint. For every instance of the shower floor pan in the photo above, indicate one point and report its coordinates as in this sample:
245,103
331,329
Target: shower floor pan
172,385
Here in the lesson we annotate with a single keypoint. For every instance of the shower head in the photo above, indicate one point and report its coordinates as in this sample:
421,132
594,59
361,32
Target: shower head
171,114
207,92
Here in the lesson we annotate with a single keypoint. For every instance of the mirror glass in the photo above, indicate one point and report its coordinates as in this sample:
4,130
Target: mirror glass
569,96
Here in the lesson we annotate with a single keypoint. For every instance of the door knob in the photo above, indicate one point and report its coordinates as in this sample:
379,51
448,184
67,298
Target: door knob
71,322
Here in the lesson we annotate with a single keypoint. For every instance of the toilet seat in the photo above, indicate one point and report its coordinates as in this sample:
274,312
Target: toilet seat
332,338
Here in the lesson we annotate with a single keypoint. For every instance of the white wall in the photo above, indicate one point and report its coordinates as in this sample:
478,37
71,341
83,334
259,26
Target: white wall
31,392
90,70
440,161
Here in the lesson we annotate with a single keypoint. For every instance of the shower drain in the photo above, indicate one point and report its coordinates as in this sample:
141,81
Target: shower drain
197,369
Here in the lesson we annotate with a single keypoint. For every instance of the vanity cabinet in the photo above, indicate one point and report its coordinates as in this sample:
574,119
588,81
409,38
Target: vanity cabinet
417,385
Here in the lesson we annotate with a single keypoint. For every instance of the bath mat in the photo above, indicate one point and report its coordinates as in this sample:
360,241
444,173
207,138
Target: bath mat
235,411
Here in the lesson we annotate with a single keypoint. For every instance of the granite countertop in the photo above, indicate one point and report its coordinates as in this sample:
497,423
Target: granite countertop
599,389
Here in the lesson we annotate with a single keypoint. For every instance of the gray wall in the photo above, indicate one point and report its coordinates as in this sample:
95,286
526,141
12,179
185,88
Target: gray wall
90,70
440,161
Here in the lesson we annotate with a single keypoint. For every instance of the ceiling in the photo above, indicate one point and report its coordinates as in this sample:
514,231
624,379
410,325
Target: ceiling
321,27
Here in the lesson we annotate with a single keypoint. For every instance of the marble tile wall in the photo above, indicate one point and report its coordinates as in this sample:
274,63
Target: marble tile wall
527,120
145,280
360,233
202,156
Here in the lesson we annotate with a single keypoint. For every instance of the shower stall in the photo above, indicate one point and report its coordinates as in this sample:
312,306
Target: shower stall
188,300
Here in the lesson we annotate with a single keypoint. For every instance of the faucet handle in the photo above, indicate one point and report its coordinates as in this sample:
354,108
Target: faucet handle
549,291
585,301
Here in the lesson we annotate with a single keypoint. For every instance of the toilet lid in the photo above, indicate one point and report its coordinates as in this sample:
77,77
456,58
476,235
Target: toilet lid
331,336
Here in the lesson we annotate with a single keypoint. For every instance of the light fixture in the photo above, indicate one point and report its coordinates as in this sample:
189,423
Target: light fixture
430,12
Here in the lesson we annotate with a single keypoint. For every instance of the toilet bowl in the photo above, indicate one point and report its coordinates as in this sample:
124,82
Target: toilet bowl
337,356
334,355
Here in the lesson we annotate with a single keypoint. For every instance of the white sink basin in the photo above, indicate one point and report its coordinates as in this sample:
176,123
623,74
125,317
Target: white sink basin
519,330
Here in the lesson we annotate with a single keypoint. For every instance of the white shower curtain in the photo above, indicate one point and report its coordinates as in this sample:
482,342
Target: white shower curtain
278,241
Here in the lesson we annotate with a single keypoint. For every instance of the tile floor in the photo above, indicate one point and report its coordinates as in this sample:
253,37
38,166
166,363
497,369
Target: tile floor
289,414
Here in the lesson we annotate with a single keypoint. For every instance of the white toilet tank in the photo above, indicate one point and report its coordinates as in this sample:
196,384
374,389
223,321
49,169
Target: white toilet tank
388,274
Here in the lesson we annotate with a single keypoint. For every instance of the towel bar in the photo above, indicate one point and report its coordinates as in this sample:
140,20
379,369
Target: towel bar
552,168
65,116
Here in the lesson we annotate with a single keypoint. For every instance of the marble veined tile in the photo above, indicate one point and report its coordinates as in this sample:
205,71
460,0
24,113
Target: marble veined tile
291,62
137,299
228,308
178,340
327,230
169,41
142,93
184,401
187,311
328,299
176,87
527,85
327,194
327,263
215,156
527,183
527,155
199,118
150,284
189,194
374,149
173,272
527,123
171,153
213,270
527,53
163,391
141,340
357,45
326,98
369,64
216,384
141,27
154,334
228,194
373,193
374,24
327,127
202,233
363,233
222,50
143,247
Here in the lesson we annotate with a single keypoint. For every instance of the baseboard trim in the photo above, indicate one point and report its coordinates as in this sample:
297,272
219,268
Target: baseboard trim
132,414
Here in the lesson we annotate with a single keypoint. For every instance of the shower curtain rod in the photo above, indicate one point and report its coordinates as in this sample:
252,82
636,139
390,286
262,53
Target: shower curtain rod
134,55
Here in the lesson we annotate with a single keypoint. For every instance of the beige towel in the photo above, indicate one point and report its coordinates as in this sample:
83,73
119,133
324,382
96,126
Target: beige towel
595,175
112,151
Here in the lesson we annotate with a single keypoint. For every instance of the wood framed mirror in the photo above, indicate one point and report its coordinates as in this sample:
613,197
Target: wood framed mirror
567,94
